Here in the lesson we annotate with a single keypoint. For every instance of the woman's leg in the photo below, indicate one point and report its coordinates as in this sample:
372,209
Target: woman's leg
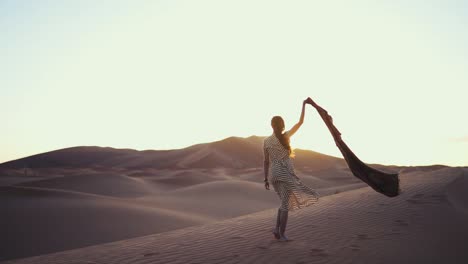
283,223
282,218
276,230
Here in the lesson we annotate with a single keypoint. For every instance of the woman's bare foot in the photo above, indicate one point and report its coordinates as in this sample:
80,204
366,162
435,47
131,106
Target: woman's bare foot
283,238
275,233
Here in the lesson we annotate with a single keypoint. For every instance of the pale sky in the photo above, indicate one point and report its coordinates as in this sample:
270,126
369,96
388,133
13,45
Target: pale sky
170,74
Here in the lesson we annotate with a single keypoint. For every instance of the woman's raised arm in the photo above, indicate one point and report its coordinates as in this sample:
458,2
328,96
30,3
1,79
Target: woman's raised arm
294,129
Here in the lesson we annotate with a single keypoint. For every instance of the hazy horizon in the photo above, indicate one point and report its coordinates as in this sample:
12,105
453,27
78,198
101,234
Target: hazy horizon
170,74
339,155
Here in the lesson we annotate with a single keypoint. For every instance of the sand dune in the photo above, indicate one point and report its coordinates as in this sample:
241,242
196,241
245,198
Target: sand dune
315,161
220,199
340,188
97,183
184,178
12,180
69,157
232,152
422,225
37,220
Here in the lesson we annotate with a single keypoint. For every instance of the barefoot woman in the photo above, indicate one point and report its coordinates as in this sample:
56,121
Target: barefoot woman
292,193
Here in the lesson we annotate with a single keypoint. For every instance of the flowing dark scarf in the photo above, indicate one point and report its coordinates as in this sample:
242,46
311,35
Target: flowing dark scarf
385,183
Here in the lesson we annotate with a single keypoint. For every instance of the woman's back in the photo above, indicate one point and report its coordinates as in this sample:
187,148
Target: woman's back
275,149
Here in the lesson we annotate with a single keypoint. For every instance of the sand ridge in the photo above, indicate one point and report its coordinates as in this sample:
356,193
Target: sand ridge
422,225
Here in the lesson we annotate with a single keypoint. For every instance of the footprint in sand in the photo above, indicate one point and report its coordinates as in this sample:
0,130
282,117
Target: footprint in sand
261,247
150,254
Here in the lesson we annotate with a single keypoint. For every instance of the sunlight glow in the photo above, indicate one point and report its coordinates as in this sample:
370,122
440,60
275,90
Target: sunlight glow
169,74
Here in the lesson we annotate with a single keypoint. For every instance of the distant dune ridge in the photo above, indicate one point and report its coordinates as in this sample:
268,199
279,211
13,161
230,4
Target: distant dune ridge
232,152
84,196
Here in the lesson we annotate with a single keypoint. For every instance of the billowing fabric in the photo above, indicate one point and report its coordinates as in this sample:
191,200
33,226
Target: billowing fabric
291,191
382,182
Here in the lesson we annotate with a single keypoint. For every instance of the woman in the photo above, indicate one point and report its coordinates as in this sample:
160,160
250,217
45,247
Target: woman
277,153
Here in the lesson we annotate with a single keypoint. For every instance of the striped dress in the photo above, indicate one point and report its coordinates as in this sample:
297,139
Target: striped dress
291,191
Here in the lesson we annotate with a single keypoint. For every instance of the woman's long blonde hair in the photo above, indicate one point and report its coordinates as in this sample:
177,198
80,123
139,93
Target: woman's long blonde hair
277,123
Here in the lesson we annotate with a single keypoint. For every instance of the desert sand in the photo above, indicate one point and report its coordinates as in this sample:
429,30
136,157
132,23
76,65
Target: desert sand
126,206
427,223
